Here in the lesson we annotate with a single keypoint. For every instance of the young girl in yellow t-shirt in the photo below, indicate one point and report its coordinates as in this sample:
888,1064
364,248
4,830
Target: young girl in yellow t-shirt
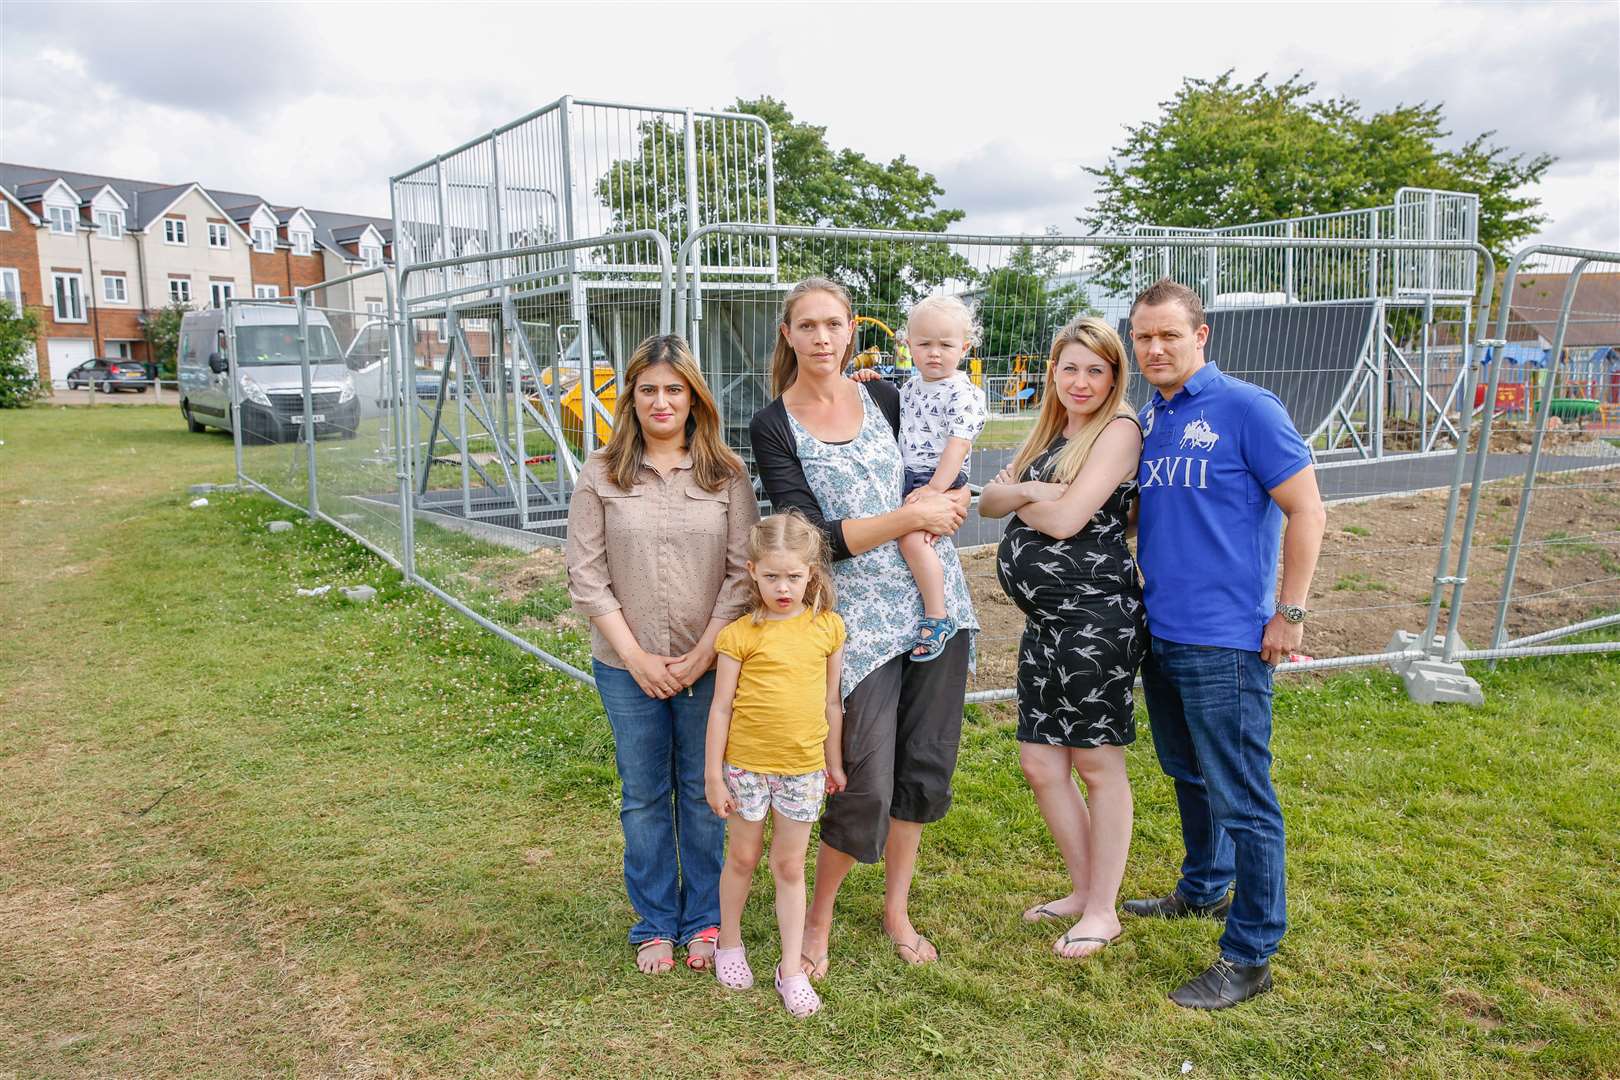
775,732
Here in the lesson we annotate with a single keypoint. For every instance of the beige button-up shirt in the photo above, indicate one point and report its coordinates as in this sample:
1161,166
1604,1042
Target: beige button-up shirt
668,554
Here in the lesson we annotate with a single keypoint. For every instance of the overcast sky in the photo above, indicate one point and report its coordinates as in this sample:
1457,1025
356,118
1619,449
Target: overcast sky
1006,104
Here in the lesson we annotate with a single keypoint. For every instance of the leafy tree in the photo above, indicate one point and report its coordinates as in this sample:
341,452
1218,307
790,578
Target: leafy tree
1224,152
815,185
163,337
19,330
1020,309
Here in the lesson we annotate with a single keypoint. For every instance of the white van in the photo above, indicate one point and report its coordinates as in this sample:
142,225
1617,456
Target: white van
269,383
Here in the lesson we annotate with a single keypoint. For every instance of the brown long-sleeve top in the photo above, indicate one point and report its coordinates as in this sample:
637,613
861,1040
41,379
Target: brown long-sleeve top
668,554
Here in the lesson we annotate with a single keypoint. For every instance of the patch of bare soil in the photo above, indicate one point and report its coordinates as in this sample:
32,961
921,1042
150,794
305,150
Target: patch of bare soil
1378,562
538,569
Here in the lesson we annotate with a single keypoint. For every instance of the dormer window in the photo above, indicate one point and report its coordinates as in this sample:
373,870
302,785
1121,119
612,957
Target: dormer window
302,243
61,220
264,241
371,255
110,224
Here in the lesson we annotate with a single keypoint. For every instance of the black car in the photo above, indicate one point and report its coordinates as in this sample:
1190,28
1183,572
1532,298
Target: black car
110,374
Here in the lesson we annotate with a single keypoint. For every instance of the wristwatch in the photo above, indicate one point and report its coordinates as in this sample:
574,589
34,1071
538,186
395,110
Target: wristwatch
1292,613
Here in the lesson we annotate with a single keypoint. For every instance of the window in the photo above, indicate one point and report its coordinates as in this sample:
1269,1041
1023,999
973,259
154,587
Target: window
180,290
264,241
11,288
302,242
265,292
174,230
61,220
5,215
371,255
217,236
67,295
220,291
374,307
111,224
114,289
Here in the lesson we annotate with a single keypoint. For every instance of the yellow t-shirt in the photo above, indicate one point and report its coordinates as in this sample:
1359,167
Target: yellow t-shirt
779,716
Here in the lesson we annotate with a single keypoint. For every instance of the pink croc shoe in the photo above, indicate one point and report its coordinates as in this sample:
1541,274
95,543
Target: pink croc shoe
731,968
798,996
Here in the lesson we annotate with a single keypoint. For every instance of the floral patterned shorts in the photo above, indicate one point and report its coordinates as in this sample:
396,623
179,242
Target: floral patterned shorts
797,798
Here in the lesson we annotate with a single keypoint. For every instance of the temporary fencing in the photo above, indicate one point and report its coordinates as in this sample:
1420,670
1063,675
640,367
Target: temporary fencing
492,374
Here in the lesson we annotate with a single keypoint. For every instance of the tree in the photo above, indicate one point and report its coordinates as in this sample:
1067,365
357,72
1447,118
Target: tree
1224,152
19,330
1020,309
163,337
815,185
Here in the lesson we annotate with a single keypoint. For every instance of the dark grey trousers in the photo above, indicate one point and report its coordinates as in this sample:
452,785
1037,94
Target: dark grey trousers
902,728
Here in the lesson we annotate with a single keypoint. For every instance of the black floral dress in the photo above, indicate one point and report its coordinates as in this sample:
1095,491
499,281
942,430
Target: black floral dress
1085,630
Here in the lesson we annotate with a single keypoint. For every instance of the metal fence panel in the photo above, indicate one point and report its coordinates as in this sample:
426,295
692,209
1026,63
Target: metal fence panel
577,168
1545,548
1382,410
263,394
358,477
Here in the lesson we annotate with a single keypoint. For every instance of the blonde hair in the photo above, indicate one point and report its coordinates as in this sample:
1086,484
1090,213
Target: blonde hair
1102,339
784,362
713,463
950,306
790,533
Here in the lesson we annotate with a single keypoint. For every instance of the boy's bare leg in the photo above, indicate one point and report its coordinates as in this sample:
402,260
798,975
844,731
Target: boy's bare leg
927,572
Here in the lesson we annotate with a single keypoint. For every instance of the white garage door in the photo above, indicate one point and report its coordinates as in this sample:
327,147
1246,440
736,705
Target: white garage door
66,354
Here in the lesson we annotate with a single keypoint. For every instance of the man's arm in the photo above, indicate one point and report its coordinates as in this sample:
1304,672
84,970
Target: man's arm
1301,503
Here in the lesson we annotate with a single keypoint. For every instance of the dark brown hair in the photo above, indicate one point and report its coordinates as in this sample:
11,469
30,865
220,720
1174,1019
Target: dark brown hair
1168,290
713,463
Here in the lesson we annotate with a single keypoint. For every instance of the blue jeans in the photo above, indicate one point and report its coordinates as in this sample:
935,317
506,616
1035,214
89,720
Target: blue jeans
674,844
1210,712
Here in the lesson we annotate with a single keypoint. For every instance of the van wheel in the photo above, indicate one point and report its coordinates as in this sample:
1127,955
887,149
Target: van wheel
191,425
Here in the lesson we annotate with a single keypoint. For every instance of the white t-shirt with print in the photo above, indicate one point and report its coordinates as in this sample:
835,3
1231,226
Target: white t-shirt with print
932,412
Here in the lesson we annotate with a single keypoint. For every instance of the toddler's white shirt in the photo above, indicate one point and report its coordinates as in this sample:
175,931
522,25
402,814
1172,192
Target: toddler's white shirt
932,412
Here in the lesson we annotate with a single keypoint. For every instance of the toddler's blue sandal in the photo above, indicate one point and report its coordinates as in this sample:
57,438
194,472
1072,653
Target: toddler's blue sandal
932,634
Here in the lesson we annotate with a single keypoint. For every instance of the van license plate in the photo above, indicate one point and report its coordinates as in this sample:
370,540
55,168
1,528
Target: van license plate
320,418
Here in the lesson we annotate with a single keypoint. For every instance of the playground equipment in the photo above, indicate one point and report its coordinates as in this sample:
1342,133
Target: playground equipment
1019,392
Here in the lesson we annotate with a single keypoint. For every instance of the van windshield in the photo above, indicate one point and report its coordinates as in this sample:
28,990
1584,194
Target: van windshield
258,346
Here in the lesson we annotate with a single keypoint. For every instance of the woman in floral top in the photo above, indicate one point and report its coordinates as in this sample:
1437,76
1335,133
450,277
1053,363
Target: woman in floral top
826,446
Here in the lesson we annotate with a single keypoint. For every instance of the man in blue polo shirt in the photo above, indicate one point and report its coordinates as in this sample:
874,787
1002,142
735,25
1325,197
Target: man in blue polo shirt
1222,468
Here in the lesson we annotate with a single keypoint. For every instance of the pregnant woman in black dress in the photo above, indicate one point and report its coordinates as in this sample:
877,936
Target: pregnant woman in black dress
1065,563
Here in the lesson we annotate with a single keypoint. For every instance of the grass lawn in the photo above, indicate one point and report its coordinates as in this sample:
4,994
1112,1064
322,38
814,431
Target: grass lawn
1004,433
245,834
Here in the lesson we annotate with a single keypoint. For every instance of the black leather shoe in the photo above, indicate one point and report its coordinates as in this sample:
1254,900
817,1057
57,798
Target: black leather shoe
1225,984
1174,907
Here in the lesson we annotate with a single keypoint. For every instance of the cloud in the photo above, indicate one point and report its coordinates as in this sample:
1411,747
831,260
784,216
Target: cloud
203,58
320,104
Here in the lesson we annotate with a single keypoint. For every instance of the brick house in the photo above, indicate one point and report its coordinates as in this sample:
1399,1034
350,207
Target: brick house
96,255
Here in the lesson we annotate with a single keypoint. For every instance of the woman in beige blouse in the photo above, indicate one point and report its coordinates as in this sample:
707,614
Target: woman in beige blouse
657,533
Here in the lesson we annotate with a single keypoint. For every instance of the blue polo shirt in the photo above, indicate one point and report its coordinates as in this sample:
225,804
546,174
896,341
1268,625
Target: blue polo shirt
1208,533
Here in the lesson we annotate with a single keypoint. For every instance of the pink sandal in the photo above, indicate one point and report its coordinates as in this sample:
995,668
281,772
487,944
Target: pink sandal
701,963
798,996
731,968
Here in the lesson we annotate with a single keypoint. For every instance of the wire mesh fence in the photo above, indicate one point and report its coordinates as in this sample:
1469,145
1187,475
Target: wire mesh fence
255,373
1547,543
496,376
